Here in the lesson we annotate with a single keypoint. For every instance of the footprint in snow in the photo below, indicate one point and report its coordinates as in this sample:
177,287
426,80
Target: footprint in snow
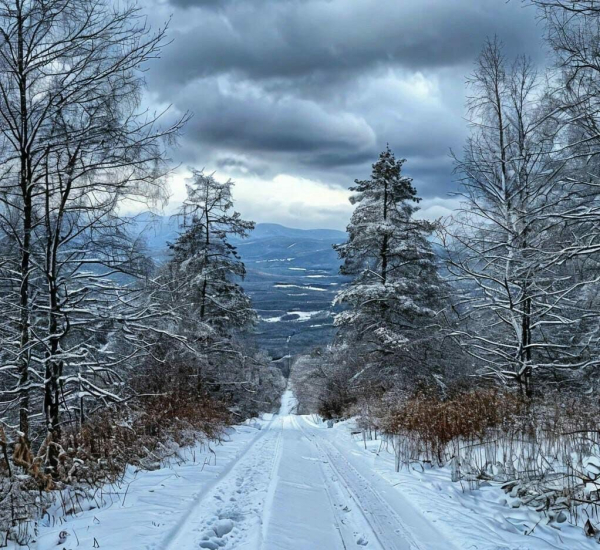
223,527
211,544
362,541
213,538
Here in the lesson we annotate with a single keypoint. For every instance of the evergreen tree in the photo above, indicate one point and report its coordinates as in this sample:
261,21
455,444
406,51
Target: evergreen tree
396,284
205,265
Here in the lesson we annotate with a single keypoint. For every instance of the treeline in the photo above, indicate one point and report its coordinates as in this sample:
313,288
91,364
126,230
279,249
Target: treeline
105,354
475,339
505,290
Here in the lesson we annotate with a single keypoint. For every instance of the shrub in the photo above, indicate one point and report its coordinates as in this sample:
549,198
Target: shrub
432,423
171,410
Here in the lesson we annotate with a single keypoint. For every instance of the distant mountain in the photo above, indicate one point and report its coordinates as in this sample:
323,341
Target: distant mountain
267,230
292,278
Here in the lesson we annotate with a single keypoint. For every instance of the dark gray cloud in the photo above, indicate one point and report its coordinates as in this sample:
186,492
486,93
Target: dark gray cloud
300,39
246,121
218,5
316,88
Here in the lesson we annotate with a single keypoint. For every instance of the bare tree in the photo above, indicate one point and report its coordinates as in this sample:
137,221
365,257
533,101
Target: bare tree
75,145
521,305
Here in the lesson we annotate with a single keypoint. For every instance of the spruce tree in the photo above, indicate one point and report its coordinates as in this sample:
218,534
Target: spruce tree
395,284
205,265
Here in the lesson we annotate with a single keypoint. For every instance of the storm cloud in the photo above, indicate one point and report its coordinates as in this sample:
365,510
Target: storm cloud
314,89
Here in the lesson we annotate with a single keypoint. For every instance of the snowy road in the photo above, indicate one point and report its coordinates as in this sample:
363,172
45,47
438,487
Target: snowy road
286,482
279,483
292,489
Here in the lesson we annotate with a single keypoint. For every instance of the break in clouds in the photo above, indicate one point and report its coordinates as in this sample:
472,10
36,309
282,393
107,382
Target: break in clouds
302,95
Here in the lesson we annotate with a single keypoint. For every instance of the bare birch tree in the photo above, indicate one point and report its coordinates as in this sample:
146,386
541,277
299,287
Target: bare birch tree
75,145
523,307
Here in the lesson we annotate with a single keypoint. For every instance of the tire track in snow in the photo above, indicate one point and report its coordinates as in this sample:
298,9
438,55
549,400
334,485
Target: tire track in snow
385,524
349,537
273,481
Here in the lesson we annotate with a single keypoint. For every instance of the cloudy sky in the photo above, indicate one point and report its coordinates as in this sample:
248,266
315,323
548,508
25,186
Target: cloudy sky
294,99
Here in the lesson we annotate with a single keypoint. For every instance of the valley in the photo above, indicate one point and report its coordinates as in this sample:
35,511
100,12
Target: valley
292,278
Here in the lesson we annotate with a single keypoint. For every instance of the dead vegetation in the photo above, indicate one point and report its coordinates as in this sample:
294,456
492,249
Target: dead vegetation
144,433
545,453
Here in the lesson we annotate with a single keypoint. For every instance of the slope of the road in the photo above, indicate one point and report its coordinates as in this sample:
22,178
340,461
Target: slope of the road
293,490
308,507
392,520
283,487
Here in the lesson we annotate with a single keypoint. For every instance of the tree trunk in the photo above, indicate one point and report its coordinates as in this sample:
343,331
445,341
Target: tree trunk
26,192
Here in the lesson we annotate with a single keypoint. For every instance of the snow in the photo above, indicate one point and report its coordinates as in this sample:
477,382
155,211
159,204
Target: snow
149,509
305,315
302,316
481,519
287,482
302,287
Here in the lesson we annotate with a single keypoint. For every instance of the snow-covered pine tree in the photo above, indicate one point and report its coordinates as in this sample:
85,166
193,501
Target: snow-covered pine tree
204,264
396,285
203,277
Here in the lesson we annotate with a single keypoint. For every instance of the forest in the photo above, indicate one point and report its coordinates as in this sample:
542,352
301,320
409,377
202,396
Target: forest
469,343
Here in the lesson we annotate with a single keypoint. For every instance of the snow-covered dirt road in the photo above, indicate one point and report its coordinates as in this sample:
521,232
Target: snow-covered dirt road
294,490
287,482
283,483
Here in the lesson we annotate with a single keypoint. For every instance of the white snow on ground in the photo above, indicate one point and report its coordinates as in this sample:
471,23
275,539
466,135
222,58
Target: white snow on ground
302,316
149,508
294,484
271,319
478,519
274,260
303,287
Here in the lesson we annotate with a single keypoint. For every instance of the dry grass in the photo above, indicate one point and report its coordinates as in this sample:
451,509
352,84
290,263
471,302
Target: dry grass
430,424
144,432
545,452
